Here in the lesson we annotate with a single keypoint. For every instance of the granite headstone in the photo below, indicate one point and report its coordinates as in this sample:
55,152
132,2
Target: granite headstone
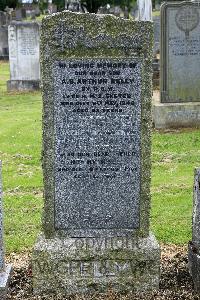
96,78
179,104
23,39
180,55
5,270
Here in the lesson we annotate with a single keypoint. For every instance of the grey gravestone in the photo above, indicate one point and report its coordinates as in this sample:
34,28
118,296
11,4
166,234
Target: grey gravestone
5,271
4,42
23,10
156,25
2,18
18,14
180,66
23,38
96,156
180,55
194,245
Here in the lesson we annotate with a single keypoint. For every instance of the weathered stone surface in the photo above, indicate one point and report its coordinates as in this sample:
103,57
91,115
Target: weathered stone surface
194,245
4,42
156,26
5,271
96,79
96,143
87,265
97,44
176,115
180,55
23,38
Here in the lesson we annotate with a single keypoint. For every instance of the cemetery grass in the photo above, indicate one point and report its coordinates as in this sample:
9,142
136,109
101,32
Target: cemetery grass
175,154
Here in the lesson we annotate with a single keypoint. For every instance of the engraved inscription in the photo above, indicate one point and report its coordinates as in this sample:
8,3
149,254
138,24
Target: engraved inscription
27,42
100,244
187,19
181,80
94,269
97,157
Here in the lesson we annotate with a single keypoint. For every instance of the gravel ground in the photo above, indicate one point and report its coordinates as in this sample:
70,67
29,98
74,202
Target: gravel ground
175,283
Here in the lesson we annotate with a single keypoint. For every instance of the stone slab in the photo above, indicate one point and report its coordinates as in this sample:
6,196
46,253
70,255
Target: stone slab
194,245
23,85
156,26
194,266
176,115
5,277
5,270
23,38
180,54
4,42
94,128
196,209
87,265
96,80
96,142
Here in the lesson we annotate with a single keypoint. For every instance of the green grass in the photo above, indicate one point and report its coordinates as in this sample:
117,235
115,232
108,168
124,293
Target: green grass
174,157
20,147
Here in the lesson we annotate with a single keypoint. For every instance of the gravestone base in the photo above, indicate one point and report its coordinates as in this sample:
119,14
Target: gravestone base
4,281
176,115
23,85
194,265
87,265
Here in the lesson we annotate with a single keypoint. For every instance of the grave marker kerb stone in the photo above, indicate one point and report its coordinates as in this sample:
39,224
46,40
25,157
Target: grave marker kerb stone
96,156
5,270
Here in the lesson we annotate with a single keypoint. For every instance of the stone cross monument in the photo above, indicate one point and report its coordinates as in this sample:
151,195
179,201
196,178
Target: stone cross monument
96,78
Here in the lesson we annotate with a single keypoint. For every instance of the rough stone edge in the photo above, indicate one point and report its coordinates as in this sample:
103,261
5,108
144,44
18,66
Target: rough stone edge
5,277
48,145
148,249
165,124
23,85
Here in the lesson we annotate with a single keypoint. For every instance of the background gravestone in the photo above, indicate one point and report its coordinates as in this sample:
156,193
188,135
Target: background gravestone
156,25
4,54
5,271
96,78
180,66
18,14
194,245
23,38
4,21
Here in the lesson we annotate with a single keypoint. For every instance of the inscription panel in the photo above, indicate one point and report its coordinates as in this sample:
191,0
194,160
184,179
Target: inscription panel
181,52
95,269
97,143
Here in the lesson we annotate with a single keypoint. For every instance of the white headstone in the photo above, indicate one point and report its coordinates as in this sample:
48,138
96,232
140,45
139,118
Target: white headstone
23,40
144,10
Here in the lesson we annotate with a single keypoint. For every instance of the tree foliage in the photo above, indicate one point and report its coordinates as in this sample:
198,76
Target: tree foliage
9,3
93,5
